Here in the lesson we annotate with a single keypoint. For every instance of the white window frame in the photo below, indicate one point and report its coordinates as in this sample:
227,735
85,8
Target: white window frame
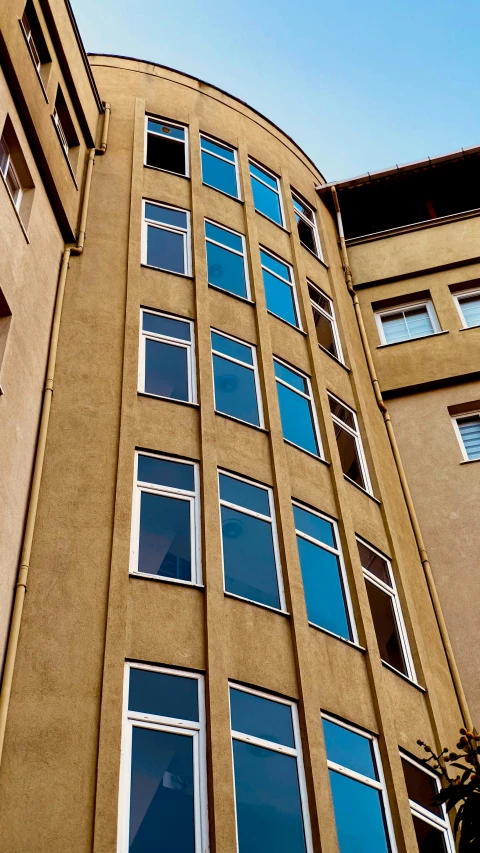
193,498
27,30
184,142
309,397
290,283
312,223
278,190
9,170
355,433
457,297
455,419
175,229
392,592
424,814
60,131
343,572
366,780
275,747
330,317
271,519
234,164
253,367
242,254
406,307
195,730
189,346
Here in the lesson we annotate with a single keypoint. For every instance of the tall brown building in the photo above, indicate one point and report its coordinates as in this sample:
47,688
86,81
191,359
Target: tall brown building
232,639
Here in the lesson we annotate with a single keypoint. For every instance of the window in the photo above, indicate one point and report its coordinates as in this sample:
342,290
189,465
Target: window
166,146
235,375
279,285
10,176
297,411
167,359
65,128
325,322
226,264
406,323
349,443
323,573
163,792
432,827
165,519
468,306
251,562
219,166
270,794
360,804
166,238
467,429
15,172
35,40
386,612
307,226
266,193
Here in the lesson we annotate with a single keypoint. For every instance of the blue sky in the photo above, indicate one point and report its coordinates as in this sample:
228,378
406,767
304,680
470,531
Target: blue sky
359,84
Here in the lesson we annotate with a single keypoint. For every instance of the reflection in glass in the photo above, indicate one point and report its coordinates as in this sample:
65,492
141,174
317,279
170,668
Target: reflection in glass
235,349
249,557
164,541
162,794
261,718
374,563
297,420
166,370
313,525
166,215
322,583
349,749
165,249
268,805
235,392
168,326
429,839
279,297
421,787
216,172
347,449
244,494
226,270
383,615
165,472
163,694
358,816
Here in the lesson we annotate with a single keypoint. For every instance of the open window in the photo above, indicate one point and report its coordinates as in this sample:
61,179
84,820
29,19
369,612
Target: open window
166,146
15,172
36,43
65,129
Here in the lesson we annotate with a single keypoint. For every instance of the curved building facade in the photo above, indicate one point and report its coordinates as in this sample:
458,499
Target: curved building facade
228,641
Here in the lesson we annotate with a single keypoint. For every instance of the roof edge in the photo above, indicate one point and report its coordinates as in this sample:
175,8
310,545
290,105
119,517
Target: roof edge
84,56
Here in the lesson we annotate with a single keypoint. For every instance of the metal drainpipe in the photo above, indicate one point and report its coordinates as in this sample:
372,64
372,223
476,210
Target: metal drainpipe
403,479
21,584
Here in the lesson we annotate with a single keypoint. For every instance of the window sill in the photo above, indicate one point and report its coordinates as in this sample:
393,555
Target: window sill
166,580
257,603
264,216
169,272
361,489
287,323
33,61
308,452
411,340
169,399
17,214
334,358
67,159
469,461
167,171
239,421
233,295
222,192
338,637
404,677
467,328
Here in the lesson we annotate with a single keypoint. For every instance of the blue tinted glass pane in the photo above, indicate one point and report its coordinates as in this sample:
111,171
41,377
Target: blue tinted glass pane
269,812
264,176
162,794
297,205
165,249
279,298
358,816
219,174
166,372
266,201
235,392
213,232
166,326
314,526
470,306
215,148
419,323
296,415
226,270
349,749
166,129
263,718
163,472
394,328
274,265
323,588
164,540
248,557
232,348
177,218
290,376
470,432
244,494
162,694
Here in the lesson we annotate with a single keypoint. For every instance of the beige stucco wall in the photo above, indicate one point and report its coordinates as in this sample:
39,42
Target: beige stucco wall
84,615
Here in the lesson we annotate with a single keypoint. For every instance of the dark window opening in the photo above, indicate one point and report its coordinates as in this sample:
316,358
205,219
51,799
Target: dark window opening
65,128
166,147
35,40
381,605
